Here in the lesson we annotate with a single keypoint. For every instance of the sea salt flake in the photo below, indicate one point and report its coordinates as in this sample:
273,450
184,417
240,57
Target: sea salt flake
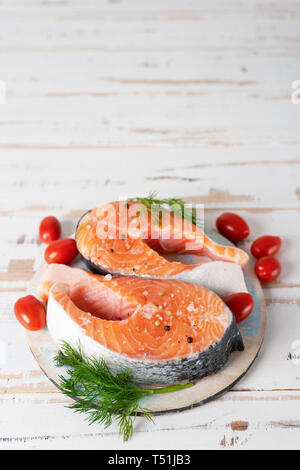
191,307
108,277
137,309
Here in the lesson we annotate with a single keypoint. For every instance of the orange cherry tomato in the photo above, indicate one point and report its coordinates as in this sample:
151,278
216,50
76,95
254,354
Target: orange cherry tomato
31,313
232,226
61,251
50,229
267,245
267,268
241,304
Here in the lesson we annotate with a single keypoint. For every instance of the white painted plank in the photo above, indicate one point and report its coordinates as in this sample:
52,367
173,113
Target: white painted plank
262,24
239,420
84,178
190,77
85,120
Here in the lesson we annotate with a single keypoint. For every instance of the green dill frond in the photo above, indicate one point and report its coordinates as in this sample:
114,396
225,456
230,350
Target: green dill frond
100,395
155,206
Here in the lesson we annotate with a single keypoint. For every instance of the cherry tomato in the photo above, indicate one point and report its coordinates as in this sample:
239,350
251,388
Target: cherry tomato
61,251
50,229
232,226
267,268
241,305
31,313
265,246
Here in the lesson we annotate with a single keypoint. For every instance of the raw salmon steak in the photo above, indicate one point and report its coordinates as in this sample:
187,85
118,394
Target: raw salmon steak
164,331
123,238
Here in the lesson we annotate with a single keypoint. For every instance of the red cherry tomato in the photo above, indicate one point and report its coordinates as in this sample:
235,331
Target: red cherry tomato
61,251
31,313
232,226
267,268
50,229
265,246
241,305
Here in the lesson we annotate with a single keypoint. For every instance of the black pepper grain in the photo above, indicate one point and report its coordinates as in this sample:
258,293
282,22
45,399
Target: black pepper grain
112,250
190,339
167,328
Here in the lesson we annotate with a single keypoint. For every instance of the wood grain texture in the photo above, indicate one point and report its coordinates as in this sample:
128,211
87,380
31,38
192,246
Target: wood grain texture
119,98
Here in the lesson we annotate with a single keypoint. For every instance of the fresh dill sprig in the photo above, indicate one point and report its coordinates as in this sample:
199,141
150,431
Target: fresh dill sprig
155,206
101,395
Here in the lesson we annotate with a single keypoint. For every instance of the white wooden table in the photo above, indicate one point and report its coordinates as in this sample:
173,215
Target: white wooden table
122,97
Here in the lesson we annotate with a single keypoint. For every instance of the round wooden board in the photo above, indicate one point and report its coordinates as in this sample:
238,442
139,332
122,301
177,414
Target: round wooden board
206,389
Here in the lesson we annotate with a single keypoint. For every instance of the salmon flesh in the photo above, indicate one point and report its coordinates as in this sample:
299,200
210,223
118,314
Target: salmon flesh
123,238
164,331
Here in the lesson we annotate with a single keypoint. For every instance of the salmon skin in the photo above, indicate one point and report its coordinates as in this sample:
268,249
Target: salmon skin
164,331
122,238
